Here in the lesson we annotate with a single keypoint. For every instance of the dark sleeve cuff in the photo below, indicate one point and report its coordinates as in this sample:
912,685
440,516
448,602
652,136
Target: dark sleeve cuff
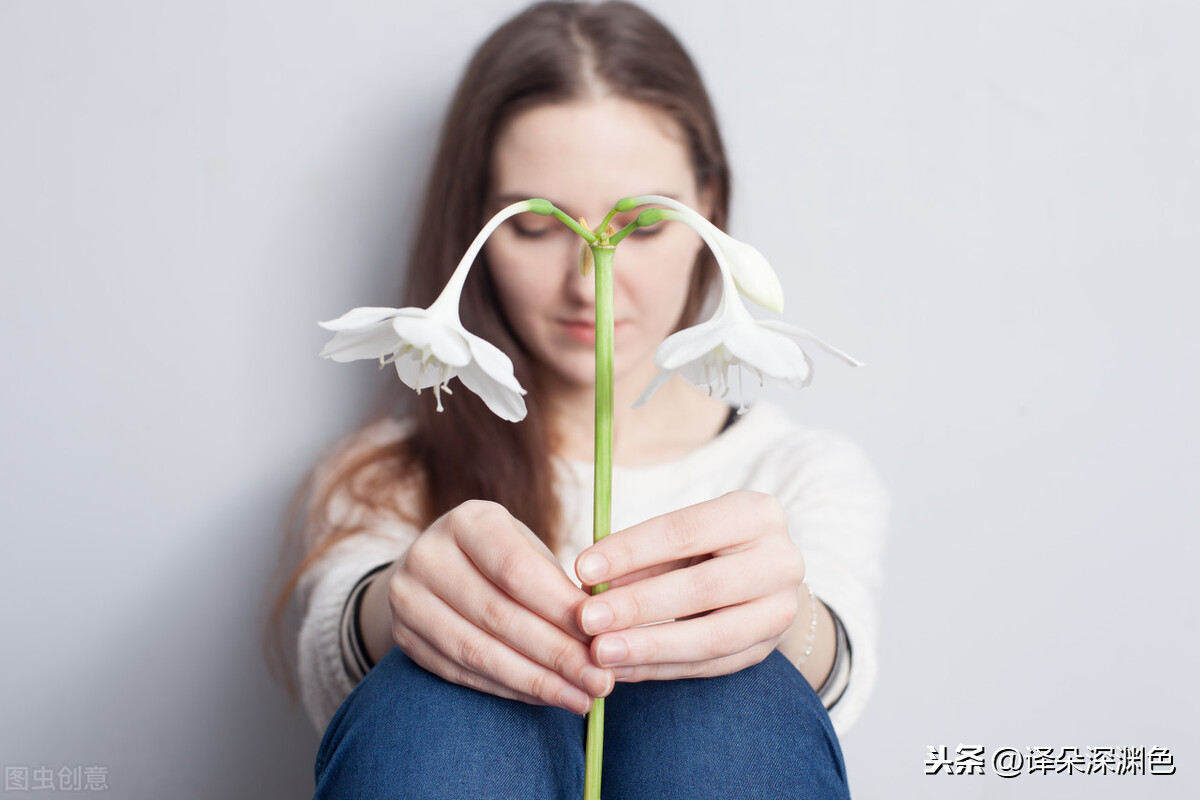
354,652
839,674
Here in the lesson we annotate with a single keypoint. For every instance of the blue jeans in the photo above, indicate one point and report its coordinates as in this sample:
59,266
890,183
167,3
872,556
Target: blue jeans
758,733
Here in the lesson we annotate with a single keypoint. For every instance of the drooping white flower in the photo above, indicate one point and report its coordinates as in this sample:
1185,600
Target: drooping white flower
750,270
429,346
732,339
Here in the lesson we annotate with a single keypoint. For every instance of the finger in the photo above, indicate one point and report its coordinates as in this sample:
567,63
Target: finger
476,651
650,572
423,653
424,621
500,547
491,610
717,526
710,585
722,633
695,669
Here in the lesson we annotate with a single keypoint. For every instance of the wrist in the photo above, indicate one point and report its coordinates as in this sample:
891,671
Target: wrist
814,662
373,616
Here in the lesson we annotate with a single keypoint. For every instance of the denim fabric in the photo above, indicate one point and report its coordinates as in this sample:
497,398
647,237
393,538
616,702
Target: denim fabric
759,733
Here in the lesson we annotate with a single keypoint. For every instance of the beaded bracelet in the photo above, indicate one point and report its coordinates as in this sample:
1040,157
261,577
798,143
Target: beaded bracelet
812,628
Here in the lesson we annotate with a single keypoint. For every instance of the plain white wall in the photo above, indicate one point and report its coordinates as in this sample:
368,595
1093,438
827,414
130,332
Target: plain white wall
994,204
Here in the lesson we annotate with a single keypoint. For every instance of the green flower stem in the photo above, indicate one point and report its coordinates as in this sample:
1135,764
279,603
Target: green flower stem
648,217
562,217
603,226
602,258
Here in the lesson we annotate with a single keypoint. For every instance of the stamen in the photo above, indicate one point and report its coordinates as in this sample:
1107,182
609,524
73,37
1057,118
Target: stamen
741,392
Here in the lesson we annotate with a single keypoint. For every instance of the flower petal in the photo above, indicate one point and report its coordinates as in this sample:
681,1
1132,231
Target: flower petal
492,360
768,351
751,271
362,317
374,342
800,333
419,374
490,375
433,336
503,401
690,344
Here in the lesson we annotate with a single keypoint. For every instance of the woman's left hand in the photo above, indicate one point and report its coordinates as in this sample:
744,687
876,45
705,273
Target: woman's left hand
725,572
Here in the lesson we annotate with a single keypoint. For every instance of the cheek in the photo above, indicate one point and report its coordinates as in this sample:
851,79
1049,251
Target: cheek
513,275
659,272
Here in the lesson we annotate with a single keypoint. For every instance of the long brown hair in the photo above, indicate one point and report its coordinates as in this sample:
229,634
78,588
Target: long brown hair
550,53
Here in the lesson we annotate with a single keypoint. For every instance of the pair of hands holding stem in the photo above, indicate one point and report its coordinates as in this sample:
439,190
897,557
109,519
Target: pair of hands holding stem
479,600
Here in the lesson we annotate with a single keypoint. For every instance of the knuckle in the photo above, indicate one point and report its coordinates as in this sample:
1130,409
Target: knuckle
542,687
782,616
563,657
513,569
475,509
759,652
398,600
401,602
800,567
719,641
472,680
417,557
681,533
473,515
773,512
498,615
473,653
765,509
402,639
635,610
703,591
646,650
626,552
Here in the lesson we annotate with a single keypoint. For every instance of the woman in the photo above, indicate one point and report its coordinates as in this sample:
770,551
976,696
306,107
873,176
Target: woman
439,591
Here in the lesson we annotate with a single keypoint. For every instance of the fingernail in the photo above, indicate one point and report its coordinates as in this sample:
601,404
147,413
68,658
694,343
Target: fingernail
595,681
591,568
611,650
621,673
597,617
574,700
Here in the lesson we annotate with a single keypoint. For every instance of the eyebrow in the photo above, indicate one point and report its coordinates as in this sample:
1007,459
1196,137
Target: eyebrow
516,197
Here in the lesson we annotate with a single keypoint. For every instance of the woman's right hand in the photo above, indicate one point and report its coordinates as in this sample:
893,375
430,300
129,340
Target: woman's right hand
479,600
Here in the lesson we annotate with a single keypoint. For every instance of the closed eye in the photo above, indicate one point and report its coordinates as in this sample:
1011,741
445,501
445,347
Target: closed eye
534,231
622,220
652,230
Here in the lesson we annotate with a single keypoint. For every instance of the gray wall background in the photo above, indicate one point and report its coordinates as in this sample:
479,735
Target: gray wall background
994,204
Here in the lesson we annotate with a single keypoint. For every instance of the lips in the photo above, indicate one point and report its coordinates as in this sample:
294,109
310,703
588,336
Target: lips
582,330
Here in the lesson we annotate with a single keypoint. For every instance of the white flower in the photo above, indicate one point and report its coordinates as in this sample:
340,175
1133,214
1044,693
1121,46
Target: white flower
750,270
704,353
429,346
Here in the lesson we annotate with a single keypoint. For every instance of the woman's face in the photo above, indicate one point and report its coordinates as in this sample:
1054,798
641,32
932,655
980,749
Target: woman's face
584,156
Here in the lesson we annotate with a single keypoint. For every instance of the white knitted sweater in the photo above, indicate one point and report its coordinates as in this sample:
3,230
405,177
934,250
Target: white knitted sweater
836,510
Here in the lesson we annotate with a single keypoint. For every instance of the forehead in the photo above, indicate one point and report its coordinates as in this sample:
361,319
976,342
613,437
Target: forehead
590,153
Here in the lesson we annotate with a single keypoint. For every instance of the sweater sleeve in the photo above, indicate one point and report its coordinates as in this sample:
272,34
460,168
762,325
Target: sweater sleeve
837,513
321,595
324,679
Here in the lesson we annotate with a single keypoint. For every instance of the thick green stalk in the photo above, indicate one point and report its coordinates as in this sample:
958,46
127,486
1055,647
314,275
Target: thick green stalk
602,487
